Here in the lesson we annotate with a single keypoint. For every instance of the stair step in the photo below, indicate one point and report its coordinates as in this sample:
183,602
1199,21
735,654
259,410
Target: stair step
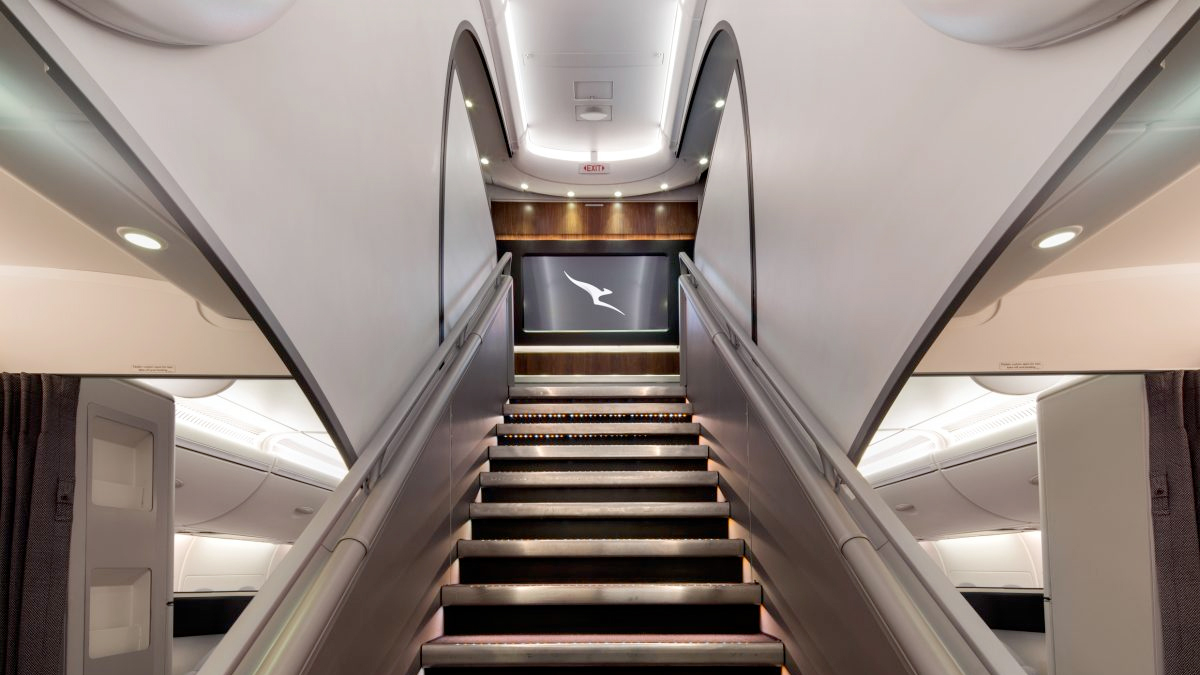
620,510
601,548
600,479
478,595
602,409
603,650
569,452
596,391
600,429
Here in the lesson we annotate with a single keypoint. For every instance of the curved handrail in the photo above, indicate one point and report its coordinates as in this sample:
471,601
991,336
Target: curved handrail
800,434
411,414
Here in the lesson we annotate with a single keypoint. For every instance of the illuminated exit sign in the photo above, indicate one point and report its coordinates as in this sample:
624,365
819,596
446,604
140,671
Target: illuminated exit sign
593,168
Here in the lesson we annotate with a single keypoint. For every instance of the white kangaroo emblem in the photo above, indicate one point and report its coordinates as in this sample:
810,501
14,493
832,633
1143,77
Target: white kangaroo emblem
596,293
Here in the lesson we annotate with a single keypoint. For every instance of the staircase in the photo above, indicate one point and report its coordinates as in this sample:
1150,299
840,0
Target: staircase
600,544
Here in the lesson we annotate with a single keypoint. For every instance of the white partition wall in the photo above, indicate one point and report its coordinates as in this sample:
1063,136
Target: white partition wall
1102,618
119,620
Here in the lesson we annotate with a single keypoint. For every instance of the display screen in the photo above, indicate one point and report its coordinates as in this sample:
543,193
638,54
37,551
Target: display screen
596,293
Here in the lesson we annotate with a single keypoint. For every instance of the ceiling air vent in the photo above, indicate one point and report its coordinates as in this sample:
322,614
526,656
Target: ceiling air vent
593,113
594,91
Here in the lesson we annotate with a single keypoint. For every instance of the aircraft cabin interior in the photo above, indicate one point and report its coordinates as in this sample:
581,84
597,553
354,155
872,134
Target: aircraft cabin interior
629,337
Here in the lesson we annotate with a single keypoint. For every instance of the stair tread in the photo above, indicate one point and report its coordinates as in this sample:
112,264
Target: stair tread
639,451
604,650
601,510
602,594
601,548
602,408
599,428
598,391
616,479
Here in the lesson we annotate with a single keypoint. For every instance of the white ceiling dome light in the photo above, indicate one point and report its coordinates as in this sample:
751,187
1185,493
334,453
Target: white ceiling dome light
593,113
1059,237
1019,24
141,238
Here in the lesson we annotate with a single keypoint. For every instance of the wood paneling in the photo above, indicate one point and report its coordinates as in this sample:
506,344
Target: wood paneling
595,220
597,363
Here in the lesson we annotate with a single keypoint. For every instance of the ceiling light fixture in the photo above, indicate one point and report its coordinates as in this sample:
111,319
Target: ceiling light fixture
1056,238
571,194
720,103
141,238
470,104
524,186
664,186
703,161
617,194
484,161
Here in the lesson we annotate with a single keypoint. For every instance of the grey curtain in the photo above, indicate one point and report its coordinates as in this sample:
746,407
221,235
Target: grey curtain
1173,401
37,488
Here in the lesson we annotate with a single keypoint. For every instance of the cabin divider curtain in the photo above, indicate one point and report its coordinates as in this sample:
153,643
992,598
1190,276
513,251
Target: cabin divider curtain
1173,402
37,491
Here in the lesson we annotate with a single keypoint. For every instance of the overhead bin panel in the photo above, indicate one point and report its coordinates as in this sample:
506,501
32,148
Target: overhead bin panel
278,510
1005,484
207,487
931,508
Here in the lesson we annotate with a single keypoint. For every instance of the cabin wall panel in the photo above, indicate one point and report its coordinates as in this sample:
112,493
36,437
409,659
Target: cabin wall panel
724,250
469,246
313,153
884,155
594,220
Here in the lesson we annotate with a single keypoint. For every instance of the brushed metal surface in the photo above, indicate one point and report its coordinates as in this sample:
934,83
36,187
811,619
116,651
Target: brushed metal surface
597,408
706,650
599,391
599,452
601,429
615,479
600,594
602,510
601,548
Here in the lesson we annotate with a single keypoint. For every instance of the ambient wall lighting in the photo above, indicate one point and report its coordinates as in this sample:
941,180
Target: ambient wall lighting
719,104
1056,238
141,239
484,161
470,104
703,161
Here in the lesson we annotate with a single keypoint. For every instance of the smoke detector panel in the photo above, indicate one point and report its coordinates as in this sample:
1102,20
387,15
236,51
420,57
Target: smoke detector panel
593,91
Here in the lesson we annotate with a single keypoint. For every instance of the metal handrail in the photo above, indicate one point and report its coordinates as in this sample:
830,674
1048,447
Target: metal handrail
408,419
797,431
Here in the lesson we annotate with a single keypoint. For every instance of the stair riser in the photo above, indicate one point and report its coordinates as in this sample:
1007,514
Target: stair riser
599,570
603,494
602,619
619,418
611,670
600,528
505,465
621,439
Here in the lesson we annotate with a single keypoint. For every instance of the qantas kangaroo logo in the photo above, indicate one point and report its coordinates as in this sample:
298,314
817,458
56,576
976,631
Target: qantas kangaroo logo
596,293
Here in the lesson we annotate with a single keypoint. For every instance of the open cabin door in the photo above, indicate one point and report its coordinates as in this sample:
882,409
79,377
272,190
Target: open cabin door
119,607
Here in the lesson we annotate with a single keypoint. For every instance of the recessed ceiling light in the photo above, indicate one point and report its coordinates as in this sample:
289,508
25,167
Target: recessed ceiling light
141,239
1058,237
720,103
617,193
703,161
524,186
484,161
470,103
664,186
571,194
